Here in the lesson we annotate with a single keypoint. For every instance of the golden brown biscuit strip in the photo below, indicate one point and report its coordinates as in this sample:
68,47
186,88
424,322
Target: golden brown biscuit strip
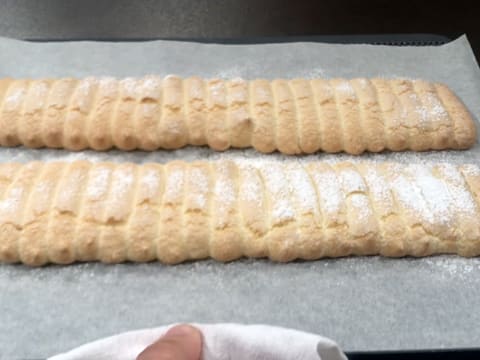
80,211
291,116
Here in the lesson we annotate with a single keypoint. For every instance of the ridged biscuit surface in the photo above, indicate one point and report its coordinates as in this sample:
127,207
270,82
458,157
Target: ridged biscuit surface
291,116
81,211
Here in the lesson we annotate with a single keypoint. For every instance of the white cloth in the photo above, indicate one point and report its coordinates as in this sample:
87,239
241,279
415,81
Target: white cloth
220,342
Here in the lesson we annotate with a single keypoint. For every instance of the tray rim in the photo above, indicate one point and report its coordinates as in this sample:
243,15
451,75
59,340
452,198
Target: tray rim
392,39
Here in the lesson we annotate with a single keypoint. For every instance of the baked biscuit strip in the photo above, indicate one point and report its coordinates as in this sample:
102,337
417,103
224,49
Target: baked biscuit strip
291,116
81,211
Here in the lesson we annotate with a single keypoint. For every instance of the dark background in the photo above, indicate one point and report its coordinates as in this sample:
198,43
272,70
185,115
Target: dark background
100,19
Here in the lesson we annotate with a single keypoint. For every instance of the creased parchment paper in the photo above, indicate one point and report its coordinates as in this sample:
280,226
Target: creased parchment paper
362,303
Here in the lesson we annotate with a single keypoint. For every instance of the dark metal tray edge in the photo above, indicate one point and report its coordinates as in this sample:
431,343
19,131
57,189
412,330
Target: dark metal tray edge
435,354
374,39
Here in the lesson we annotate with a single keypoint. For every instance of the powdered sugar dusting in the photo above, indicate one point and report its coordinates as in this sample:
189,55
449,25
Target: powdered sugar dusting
39,89
411,200
351,181
462,200
174,184
262,94
361,206
151,84
107,80
85,85
329,190
283,211
70,189
238,81
363,82
452,267
129,87
198,190
216,89
429,195
224,188
149,183
379,190
345,88
278,188
423,115
37,96
251,189
471,170
431,198
122,182
239,92
41,192
98,184
450,173
354,187
108,85
84,88
420,110
195,89
429,109
14,98
224,193
10,203
301,186
435,194
437,110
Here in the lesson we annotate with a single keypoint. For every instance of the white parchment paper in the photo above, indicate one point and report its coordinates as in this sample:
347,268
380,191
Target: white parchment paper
362,303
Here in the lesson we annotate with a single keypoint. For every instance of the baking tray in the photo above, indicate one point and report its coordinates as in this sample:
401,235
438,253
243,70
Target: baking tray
373,39
464,354
365,304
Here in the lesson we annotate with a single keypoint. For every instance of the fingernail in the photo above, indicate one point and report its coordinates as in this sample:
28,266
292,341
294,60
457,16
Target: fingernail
181,330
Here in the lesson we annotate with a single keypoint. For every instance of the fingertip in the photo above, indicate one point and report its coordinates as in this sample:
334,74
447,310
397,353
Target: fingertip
181,342
183,330
190,336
